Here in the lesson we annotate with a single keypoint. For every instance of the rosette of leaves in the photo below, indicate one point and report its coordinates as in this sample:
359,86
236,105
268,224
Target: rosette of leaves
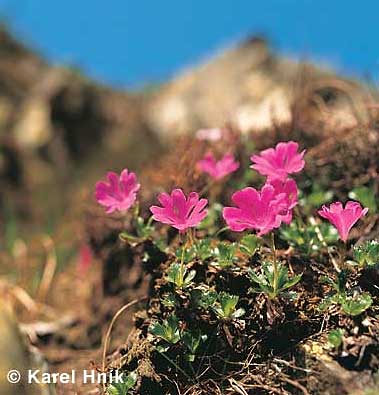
309,238
225,254
226,307
143,229
168,331
266,283
351,302
192,340
202,250
367,254
179,275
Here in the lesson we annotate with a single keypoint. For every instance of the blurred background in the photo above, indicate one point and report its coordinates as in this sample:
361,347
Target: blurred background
90,86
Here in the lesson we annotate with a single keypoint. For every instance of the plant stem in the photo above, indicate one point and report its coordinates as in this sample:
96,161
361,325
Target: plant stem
274,264
324,243
343,255
176,366
191,237
182,260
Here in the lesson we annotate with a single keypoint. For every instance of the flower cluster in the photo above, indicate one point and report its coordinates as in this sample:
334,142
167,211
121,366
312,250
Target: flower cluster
259,210
265,210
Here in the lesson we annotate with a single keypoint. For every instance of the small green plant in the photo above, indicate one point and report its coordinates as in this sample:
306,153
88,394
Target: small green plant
168,330
335,338
249,245
273,285
203,249
204,298
122,388
169,300
192,341
367,254
226,307
179,275
309,238
186,255
225,254
350,302
356,303
143,228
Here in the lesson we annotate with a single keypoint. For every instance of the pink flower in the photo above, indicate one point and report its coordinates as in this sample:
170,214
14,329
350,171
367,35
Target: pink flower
343,218
289,188
120,193
218,169
178,211
259,210
213,134
276,163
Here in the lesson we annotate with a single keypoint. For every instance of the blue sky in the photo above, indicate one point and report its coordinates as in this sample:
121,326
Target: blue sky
129,42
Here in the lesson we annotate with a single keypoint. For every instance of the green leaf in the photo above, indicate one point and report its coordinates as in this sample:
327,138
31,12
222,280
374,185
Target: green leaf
356,304
192,340
291,282
367,254
204,298
169,300
335,338
123,388
249,244
189,277
203,249
255,278
226,309
306,238
177,274
185,254
225,254
266,282
168,330
144,229
282,276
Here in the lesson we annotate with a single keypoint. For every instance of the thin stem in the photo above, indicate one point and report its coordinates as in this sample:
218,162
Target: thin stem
109,331
176,366
191,237
182,259
343,254
324,243
274,264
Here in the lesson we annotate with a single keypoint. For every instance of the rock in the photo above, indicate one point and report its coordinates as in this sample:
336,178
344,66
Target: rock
254,89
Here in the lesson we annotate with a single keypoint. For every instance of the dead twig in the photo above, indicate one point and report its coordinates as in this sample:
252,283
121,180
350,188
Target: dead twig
109,331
